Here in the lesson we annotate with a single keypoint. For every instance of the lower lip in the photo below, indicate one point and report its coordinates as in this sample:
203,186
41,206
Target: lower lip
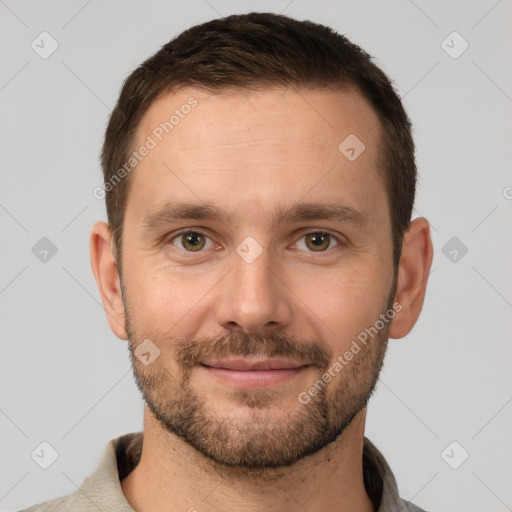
254,378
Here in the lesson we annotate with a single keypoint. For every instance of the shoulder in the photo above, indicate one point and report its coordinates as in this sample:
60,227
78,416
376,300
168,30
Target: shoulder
380,482
102,487
53,505
410,507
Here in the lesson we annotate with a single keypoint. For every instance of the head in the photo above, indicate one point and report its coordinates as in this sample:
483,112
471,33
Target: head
269,216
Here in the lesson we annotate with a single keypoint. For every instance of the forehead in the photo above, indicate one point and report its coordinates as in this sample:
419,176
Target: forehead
194,119
272,144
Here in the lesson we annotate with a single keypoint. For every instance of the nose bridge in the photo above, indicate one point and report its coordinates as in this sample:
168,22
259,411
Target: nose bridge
253,297
252,272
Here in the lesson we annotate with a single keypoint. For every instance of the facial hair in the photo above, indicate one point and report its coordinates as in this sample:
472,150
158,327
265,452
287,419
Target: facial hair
262,438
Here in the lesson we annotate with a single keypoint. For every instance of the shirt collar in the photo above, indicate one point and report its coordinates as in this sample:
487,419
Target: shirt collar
101,490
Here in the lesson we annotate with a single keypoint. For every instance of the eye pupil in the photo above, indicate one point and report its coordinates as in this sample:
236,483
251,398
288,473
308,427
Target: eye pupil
318,240
193,241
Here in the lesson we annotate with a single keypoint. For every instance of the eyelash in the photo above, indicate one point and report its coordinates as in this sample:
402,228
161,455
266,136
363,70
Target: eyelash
169,241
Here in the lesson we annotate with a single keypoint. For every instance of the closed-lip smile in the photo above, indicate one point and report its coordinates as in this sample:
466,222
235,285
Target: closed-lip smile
252,373
241,364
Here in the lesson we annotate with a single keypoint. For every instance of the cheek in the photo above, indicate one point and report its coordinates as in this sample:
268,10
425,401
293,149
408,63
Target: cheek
344,304
164,300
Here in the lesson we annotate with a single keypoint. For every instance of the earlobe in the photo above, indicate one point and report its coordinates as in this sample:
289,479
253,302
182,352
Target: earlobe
105,272
413,272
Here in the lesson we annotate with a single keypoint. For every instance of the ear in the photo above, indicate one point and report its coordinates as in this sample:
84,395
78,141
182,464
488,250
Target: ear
413,272
107,278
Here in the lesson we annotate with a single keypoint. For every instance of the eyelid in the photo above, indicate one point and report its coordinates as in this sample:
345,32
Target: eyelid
338,236
303,232
168,240
339,239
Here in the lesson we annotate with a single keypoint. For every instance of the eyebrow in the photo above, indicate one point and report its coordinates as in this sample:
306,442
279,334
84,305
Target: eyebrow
173,211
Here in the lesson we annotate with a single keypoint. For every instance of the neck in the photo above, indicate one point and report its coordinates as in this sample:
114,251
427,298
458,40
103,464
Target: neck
172,476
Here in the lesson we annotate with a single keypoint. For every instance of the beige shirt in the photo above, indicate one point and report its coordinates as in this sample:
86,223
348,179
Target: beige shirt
101,490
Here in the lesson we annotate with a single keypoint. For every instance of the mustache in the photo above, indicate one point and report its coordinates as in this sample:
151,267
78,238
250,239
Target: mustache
193,351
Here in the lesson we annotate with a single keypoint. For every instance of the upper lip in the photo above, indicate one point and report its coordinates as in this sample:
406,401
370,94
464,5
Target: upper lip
247,365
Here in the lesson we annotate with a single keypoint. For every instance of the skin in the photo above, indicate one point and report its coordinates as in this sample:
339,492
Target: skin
252,153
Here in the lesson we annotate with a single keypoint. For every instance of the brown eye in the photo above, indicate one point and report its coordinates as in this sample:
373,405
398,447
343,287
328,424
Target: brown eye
191,241
318,241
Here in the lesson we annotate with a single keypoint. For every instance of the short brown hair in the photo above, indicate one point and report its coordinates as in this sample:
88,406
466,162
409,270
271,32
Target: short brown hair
256,51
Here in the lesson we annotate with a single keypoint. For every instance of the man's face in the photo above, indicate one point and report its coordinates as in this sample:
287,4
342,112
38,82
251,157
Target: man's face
258,285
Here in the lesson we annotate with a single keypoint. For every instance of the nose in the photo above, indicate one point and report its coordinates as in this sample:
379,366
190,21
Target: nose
253,298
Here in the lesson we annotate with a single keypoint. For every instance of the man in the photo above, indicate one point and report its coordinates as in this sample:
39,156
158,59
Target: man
259,252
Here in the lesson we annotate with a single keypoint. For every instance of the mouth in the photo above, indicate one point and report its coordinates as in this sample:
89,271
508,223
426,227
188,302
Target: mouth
251,373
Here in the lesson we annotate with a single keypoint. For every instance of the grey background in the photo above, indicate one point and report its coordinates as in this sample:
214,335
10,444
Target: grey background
66,379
